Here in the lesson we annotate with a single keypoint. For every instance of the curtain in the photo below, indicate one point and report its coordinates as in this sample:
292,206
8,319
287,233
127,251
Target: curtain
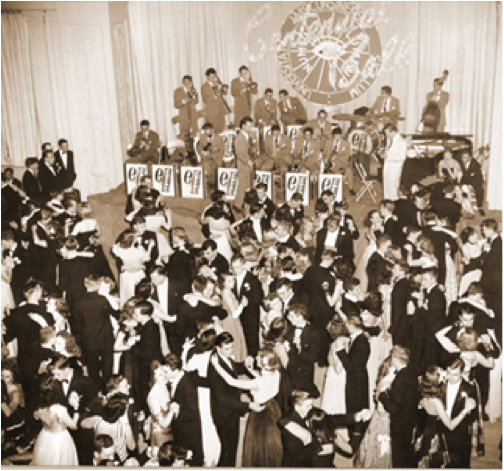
20,129
494,177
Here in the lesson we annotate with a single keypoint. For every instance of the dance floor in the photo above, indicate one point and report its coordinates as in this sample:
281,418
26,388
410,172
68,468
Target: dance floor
109,211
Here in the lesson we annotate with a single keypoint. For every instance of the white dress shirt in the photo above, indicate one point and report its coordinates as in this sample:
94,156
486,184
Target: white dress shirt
331,237
239,281
64,158
451,394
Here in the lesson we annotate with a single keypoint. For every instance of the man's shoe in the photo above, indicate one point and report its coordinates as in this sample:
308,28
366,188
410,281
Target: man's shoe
352,193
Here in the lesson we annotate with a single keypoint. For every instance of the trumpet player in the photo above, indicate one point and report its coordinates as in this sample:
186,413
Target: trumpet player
246,154
212,92
292,110
242,89
337,157
265,110
185,99
307,153
211,150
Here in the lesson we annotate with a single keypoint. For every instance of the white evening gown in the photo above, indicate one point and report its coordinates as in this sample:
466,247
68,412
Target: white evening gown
211,442
360,272
494,405
219,231
333,394
156,224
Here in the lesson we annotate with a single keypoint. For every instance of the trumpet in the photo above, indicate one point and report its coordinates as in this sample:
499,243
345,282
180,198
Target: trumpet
223,89
192,94
252,86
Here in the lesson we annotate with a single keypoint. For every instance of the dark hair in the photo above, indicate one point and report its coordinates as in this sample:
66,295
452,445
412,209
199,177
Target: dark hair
430,384
206,341
308,129
218,194
337,131
373,303
71,345
356,321
173,361
390,127
261,186
210,71
144,289
277,331
62,141
297,196
491,224
270,90
144,122
466,233
209,244
102,441
337,328
223,338
283,91
245,120
187,77
29,161
115,408
46,153
387,89
242,68
255,208
145,308
320,425
50,392
299,309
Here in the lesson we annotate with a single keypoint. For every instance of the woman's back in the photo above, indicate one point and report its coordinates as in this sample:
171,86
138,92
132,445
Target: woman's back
52,418
268,387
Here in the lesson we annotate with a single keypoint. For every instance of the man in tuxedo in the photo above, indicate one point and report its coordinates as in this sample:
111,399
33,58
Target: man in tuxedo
399,301
491,278
256,224
305,342
458,393
242,89
322,128
21,271
147,141
290,292
335,237
386,104
448,208
394,161
292,110
202,309
69,217
31,182
405,210
42,351
390,224
245,151
218,203
216,261
401,402
185,99
354,355
49,177
92,329
278,148
73,383
147,239
226,405
434,315
295,209
306,154
12,197
186,426
213,98
247,285
473,176
265,110
265,201
301,450
146,349
64,159
337,157
378,262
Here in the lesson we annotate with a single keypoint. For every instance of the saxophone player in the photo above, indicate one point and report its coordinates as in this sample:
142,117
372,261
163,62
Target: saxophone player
185,100
338,155
307,153
211,149
212,94
278,148
242,89
265,110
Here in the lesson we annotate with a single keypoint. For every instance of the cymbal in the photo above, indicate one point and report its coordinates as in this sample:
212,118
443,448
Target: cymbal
350,117
387,118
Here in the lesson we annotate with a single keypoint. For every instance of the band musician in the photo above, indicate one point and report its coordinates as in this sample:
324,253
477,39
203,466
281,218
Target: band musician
322,128
146,146
292,110
246,154
185,99
306,154
212,94
338,157
210,149
242,89
278,148
265,110
434,114
386,105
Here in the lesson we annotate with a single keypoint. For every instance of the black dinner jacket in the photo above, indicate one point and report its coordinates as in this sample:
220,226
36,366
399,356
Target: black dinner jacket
435,312
148,348
313,279
447,208
67,174
394,230
254,293
71,275
491,277
246,225
296,218
399,301
406,212
269,208
219,265
343,246
32,186
472,175
439,239
376,268
48,180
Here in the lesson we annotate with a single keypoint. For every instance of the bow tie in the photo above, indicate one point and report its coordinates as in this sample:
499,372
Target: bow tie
65,381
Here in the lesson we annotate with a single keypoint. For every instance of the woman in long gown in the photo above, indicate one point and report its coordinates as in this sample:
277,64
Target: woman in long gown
8,302
232,322
471,250
431,444
133,257
273,309
333,394
373,224
54,445
199,362
219,224
87,227
158,220
263,441
375,448
13,411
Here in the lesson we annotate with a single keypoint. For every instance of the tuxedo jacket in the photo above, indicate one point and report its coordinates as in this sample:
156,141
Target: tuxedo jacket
435,303
67,173
252,289
399,301
482,321
296,217
50,181
187,425
447,208
187,113
357,379
343,246
32,186
296,114
376,268
71,275
302,363
11,201
225,401
246,226
179,272
265,116
282,150
350,307
491,277
84,387
321,312
401,402
269,208
38,355
394,230
91,324
148,348
406,212
219,265
217,147
19,325
439,239
472,175
337,153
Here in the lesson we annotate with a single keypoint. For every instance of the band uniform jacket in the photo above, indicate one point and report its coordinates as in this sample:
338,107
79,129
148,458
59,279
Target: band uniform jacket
278,147
67,172
265,112
242,101
337,153
307,159
152,141
217,149
292,111
216,110
393,108
321,132
187,113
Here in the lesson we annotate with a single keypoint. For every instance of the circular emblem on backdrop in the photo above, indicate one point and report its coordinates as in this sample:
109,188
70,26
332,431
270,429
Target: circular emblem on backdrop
329,52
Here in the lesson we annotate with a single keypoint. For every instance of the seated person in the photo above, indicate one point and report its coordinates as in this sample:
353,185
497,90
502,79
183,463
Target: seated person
321,128
278,147
210,149
146,147
449,169
292,110
387,105
307,154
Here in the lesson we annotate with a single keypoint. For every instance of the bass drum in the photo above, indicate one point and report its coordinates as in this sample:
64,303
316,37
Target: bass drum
365,140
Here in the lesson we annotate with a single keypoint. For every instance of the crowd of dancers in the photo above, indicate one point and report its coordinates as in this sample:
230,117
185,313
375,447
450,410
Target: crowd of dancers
391,356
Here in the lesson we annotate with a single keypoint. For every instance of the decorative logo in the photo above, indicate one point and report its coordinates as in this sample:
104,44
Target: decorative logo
330,52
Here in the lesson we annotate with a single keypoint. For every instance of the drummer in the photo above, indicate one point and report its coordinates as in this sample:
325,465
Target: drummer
321,128
386,106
